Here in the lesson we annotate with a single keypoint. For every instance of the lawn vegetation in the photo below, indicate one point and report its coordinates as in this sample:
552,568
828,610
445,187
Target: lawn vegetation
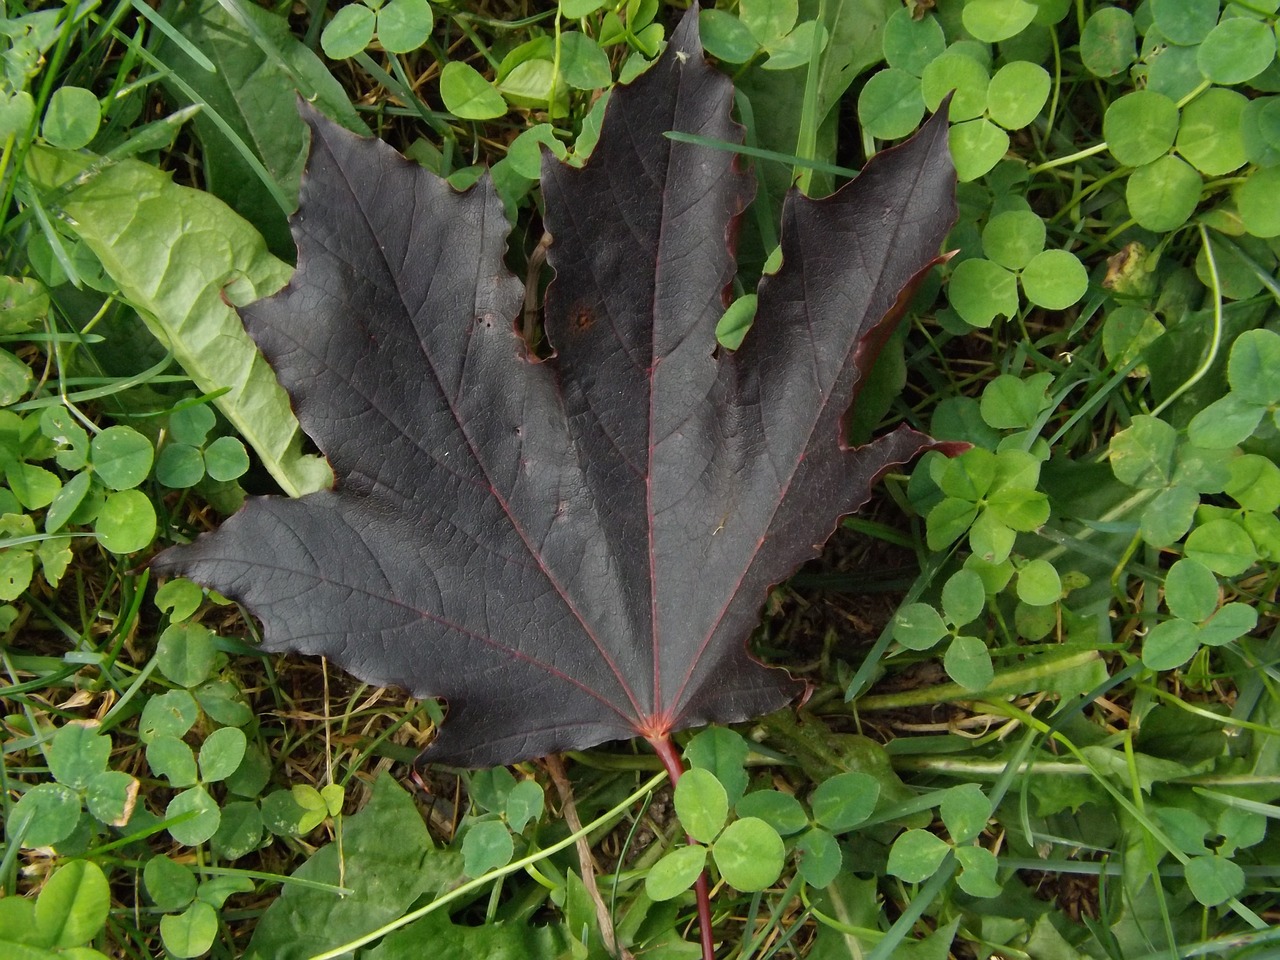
1044,708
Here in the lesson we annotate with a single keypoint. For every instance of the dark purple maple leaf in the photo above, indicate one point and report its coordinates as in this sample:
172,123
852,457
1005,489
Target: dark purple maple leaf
573,550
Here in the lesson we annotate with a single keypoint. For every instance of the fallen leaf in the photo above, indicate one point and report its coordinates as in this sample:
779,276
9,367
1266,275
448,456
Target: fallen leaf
571,550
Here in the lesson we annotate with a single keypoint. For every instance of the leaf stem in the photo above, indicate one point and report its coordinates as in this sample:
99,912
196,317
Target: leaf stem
666,750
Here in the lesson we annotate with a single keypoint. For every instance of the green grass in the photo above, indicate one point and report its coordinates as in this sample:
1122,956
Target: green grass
1045,712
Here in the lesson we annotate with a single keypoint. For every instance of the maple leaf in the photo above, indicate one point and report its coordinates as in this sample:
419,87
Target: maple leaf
571,550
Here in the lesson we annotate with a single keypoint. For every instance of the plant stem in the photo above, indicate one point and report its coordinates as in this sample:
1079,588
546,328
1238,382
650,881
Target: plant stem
666,750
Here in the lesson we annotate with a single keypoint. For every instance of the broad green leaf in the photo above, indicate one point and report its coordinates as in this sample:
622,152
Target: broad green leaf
1260,131
965,810
1174,72
179,466
72,906
1014,403
467,94
35,487
978,867
576,9
968,662
749,854
486,846
348,33
948,521
221,753
1038,583
994,20
820,857
192,424
964,75
1232,621
1236,50
525,152
1185,22
77,754
917,626
435,936
16,112
724,753
911,43
58,424
224,703
71,120
176,253
769,20
532,84
1016,508
190,933
726,37
171,885
226,459
583,64
15,379
1170,644
490,788
854,29
1012,238
46,815
701,804
780,810
1209,134
334,796
525,804
890,104
121,457
284,816
169,714
66,501
1191,590
964,597
676,872
980,291
1126,333
738,317
1163,194
215,890
991,537
1142,454
1259,201
1214,880
239,830
172,759
185,653
1254,483
200,814
110,797
1224,423
404,25
126,522
1223,546
1140,127
842,802
1254,368
796,49
1107,41
916,856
